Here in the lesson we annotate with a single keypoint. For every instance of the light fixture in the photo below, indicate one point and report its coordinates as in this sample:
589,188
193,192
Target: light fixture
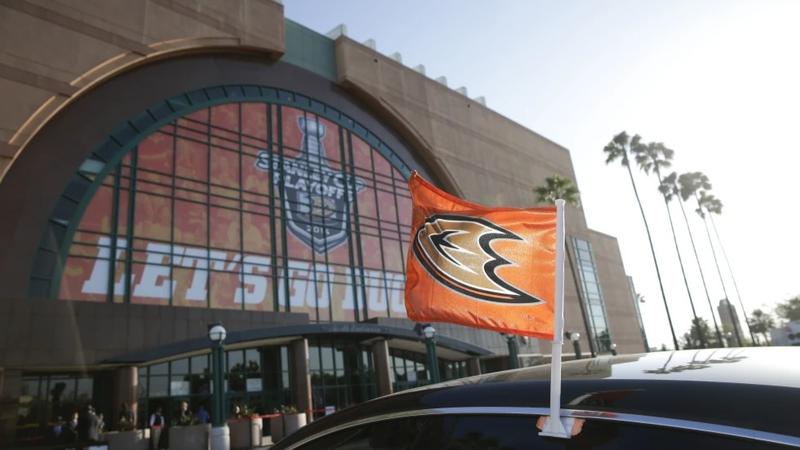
429,331
217,333
574,336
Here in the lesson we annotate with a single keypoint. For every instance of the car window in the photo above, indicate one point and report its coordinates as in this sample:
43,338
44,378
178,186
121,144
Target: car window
517,433
403,434
499,432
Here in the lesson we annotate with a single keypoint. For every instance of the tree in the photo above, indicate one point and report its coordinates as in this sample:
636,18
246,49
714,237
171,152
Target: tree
618,149
697,336
558,187
708,204
652,158
687,186
789,310
761,322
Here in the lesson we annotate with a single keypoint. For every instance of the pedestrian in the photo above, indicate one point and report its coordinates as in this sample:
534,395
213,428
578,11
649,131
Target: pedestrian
94,426
59,429
101,424
125,418
185,416
71,432
157,418
84,423
157,425
202,415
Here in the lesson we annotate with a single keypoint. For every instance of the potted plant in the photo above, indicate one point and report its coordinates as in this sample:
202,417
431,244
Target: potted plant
127,437
187,433
292,419
245,429
256,429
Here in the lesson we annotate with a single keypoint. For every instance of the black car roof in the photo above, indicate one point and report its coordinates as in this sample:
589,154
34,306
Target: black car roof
752,388
773,366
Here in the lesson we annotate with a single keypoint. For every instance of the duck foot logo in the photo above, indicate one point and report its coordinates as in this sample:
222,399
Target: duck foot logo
316,197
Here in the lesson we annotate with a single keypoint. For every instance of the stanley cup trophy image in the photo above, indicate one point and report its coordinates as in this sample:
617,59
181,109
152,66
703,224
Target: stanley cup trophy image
316,196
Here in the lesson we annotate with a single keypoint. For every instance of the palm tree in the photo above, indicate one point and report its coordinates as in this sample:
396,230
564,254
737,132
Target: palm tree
761,323
708,204
652,158
618,149
696,336
557,187
688,184
789,310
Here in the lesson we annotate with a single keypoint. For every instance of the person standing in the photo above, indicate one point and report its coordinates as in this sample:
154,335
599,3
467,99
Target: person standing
94,426
101,425
84,423
202,416
125,418
184,417
71,434
157,424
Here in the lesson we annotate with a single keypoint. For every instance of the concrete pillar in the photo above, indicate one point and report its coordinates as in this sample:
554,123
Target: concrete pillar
10,390
473,367
126,387
301,377
384,376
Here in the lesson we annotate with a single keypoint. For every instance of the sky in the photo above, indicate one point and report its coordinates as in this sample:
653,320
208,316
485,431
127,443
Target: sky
716,81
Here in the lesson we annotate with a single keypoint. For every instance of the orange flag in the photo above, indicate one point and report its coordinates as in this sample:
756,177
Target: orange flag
490,268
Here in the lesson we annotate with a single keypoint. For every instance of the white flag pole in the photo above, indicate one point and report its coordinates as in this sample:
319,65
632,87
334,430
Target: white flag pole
556,426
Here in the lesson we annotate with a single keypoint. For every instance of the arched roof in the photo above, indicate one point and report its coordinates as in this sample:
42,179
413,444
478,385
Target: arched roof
454,348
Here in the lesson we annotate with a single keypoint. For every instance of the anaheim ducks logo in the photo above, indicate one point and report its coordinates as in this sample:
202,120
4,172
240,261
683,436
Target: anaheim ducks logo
456,251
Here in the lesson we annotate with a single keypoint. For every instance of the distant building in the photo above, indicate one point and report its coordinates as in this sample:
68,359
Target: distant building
729,318
788,334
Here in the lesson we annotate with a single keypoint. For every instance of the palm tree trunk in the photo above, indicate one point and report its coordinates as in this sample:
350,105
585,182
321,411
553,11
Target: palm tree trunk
702,335
653,251
702,276
735,286
721,280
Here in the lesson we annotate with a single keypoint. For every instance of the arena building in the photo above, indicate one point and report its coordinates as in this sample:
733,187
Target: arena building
169,164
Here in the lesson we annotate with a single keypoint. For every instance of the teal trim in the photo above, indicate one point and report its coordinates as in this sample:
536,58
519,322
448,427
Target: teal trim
284,206
127,137
310,50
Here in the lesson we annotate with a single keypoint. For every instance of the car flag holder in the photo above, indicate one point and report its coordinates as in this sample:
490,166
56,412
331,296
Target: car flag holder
555,425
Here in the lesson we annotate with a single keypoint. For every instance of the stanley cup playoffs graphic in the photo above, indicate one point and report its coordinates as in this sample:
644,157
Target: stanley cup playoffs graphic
316,195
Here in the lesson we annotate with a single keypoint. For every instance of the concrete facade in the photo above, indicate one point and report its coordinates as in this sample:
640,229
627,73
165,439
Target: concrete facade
58,57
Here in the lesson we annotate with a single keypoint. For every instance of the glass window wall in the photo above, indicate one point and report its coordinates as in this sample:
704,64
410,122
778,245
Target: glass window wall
592,294
251,206
342,373
257,381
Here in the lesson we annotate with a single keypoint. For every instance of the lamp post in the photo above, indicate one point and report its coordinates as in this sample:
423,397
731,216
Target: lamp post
430,346
220,435
513,350
613,347
575,337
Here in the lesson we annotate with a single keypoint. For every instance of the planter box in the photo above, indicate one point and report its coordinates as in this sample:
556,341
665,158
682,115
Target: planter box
276,428
293,422
256,431
193,437
127,440
245,432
